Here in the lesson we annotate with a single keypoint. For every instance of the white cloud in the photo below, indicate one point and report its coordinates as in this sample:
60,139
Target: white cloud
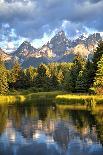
37,19
46,37
10,45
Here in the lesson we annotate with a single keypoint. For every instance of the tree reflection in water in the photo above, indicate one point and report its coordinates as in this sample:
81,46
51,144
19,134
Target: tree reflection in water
44,130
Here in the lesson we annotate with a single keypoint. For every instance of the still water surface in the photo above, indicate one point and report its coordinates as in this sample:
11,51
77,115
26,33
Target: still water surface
48,130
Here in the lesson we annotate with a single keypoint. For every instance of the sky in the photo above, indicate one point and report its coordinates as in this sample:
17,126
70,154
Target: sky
38,21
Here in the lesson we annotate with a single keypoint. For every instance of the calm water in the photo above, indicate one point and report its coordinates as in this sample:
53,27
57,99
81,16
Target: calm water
46,130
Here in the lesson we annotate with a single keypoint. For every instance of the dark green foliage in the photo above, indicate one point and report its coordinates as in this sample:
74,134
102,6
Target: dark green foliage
3,79
80,83
22,81
97,55
68,81
14,75
83,82
77,66
98,82
53,83
96,58
41,80
30,74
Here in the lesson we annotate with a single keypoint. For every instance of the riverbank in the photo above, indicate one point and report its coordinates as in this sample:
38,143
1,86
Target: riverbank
59,97
22,97
79,99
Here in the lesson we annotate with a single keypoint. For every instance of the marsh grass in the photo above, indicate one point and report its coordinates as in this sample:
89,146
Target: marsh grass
57,97
98,108
29,97
80,99
12,99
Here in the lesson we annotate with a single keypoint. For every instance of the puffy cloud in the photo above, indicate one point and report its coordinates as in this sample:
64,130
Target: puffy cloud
32,18
10,45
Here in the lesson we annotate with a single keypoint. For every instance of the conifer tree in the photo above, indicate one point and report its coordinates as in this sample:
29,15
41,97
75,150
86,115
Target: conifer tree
77,66
97,55
31,73
15,74
41,80
53,83
83,82
67,85
3,78
96,58
98,81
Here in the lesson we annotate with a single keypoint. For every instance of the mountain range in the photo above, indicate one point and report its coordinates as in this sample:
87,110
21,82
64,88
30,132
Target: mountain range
58,49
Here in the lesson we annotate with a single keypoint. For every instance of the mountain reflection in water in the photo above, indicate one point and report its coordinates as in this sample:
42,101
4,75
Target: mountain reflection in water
43,130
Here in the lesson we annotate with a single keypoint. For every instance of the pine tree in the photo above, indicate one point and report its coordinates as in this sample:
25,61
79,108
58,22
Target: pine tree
77,66
41,80
83,82
60,78
31,73
96,58
15,74
98,81
80,83
97,55
3,79
67,85
53,82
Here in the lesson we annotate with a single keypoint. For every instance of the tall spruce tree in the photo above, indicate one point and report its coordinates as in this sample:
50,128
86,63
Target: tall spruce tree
67,83
15,74
83,82
98,81
42,78
77,66
97,55
3,78
53,82
80,83
96,58
31,73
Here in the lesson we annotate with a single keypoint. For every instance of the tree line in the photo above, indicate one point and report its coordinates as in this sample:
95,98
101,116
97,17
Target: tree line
81,76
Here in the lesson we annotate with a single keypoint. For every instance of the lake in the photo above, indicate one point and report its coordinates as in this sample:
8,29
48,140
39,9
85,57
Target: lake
50,130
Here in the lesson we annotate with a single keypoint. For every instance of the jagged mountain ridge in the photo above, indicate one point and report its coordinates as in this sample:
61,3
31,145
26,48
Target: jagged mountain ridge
58,49
24,50
87,41
59,43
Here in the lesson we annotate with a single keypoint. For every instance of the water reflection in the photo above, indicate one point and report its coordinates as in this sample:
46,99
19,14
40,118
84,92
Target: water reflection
43,130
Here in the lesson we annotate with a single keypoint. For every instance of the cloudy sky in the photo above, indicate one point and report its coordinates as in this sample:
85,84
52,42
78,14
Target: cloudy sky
38,20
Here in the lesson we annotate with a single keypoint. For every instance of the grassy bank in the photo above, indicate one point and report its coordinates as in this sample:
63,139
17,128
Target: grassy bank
79,99
29,97
58,97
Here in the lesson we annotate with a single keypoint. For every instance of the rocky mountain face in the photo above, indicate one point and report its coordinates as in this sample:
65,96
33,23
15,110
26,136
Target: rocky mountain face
59,43
59,49
5,56
25,50
87,41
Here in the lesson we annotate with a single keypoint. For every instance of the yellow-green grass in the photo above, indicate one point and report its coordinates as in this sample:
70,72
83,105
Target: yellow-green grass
79,99
12,99
79,107
71,107
29,97
58,97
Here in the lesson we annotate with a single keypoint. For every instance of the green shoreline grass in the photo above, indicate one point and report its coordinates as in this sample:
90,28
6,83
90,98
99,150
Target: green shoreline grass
58,97
23,97
79,107
80,99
